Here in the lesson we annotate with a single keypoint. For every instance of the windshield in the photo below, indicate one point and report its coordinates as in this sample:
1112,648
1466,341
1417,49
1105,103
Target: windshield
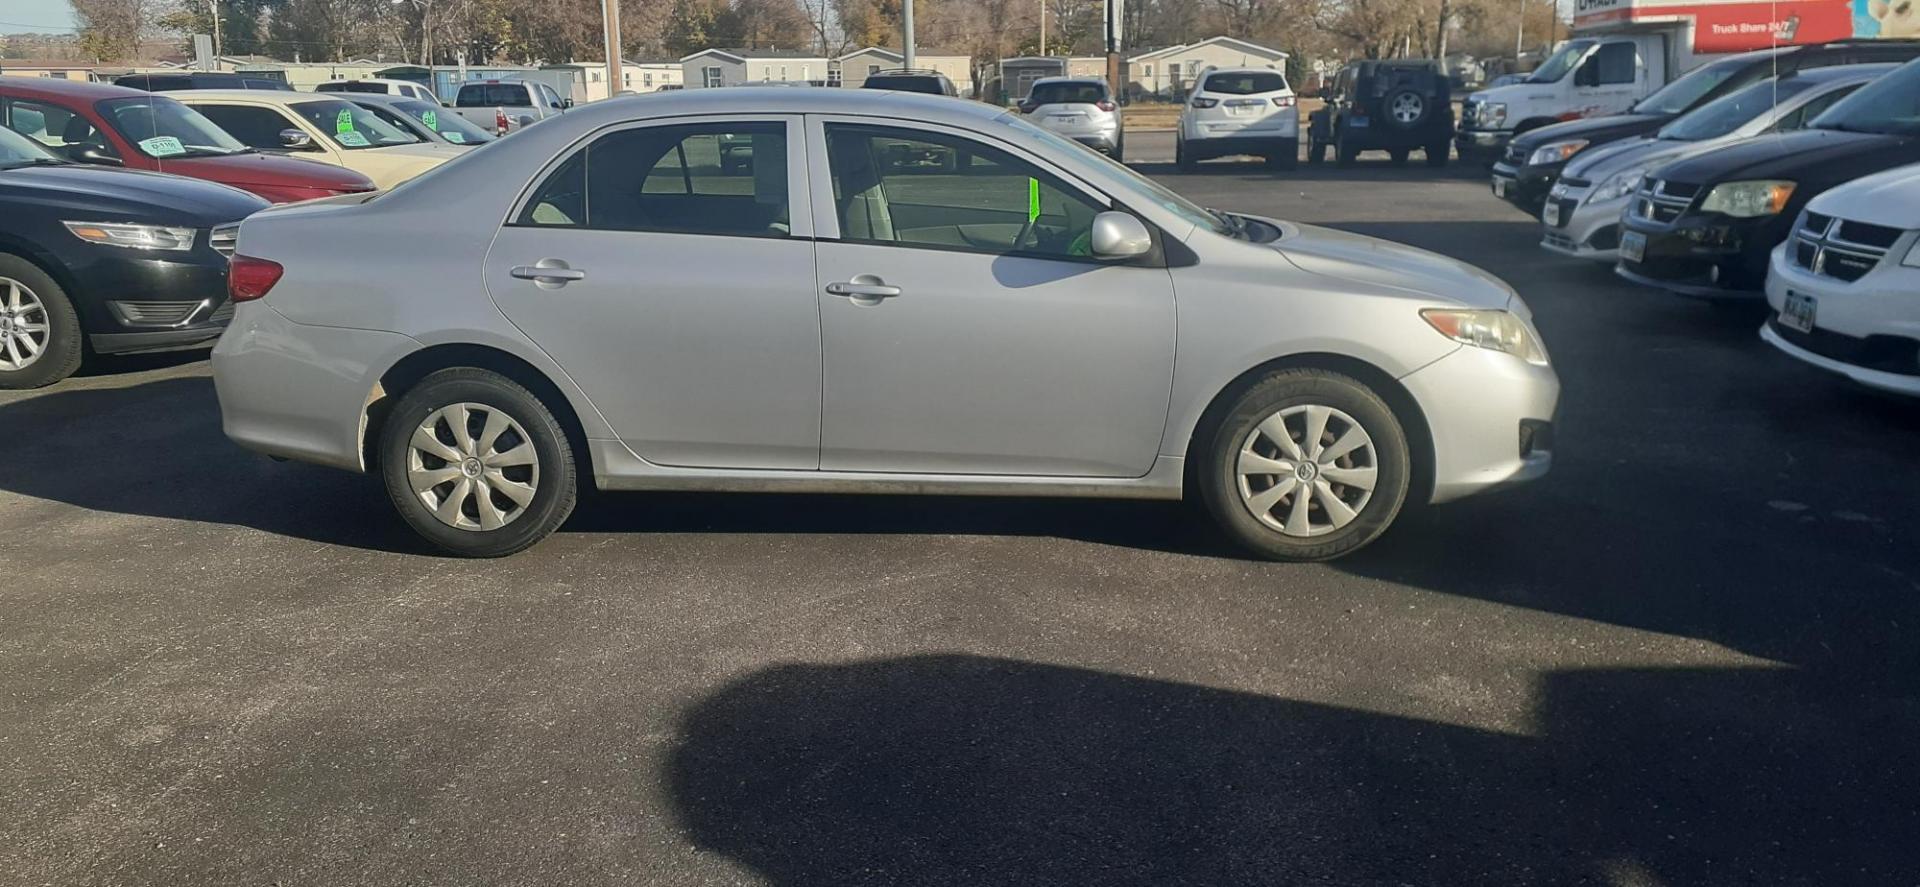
352,126
1678,96
1889,106
1145,190
1077,92
1730,112
161,127
18,150
1557,65
450,126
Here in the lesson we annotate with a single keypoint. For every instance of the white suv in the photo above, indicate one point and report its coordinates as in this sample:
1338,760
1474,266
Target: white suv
1079,108
1239,111
1843,285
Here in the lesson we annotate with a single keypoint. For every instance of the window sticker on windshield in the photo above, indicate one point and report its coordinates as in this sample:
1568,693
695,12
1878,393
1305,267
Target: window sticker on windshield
162,146
431,119
454,137
344,123
352,139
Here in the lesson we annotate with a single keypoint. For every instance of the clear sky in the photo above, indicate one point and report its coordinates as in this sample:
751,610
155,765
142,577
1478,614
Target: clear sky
50,16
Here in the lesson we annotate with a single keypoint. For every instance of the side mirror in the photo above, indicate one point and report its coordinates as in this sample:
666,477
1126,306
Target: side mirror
295,139
1118,235
97,155
565,104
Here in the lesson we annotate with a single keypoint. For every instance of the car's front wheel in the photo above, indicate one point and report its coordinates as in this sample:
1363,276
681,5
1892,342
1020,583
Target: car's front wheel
40,340
1306,465
476,464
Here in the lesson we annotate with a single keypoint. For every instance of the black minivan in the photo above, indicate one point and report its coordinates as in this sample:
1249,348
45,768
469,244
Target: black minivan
1527,171
1704,226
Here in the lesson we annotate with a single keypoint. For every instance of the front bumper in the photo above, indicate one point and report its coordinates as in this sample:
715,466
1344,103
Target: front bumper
1525,187
1588,231
1485,143
1703,256
1490,415
1866,330
134,300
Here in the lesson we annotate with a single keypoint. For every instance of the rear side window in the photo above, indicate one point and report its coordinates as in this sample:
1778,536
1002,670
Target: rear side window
1082,93
488,95
1248,83
716,178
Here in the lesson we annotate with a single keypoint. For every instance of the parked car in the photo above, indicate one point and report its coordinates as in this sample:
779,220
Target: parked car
504,106
1582,214
1705,226
110,125
1079,108
911,80
329,129
1234,111
105,261
1533,160
1845,287
381,86
170,82
1394,106
865,326
427,120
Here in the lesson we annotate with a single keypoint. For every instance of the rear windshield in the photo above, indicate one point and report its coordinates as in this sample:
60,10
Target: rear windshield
488,95
1247,83
1080,92
904,83
380,88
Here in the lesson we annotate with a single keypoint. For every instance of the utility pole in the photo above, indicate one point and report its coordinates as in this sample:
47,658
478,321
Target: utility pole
1115,80
213,6
1440,39
1520,34
1043,30
610,19
906,36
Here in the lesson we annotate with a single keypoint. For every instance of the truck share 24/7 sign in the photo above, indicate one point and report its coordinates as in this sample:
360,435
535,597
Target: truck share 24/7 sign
1740,25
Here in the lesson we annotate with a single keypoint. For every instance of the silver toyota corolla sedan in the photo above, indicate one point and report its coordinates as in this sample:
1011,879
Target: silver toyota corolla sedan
759,290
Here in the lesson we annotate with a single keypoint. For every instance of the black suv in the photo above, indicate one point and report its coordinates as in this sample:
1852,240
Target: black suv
910,80
200,80
1527,171
1705,225
1393,106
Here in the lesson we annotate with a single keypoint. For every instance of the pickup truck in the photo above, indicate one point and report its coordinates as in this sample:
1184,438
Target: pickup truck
504,106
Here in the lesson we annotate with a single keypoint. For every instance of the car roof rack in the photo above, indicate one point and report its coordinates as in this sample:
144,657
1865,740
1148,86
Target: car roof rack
928,71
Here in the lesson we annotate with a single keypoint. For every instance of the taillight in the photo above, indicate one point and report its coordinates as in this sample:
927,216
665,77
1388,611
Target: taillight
1205,103
499,121
249,278
1284,101
1104,105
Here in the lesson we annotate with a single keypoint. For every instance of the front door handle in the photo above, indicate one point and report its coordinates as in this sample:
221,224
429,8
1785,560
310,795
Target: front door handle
548,273
865,289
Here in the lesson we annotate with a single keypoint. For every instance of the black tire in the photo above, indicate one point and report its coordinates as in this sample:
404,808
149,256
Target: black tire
1437,155
555,487
1181,158
1399,155
64,347
1316,152
1220,484
1120,147
1345,154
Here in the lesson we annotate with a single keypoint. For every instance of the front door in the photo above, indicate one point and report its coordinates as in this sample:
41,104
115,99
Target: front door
967,327
661,266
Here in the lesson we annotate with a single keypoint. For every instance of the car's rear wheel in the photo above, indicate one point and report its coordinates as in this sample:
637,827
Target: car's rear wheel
1306,464
476,464
40,338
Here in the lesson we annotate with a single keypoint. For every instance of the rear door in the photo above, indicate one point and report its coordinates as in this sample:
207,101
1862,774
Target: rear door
1244,102
676,293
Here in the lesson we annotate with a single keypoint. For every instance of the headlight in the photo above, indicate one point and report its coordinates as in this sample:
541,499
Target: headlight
1618,185
1556,152
1491,329
133,236
1494,114
1746,200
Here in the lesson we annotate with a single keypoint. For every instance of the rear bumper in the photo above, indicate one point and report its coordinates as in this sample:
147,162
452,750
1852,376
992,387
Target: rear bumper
1262,145
1490,415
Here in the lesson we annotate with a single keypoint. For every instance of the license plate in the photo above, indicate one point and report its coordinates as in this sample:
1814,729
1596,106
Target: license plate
1243,110
1358,122
1797,314
1551,215
1633,246
1500,187
1068,118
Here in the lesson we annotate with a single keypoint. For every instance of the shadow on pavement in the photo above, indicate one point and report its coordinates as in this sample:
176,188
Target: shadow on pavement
968,770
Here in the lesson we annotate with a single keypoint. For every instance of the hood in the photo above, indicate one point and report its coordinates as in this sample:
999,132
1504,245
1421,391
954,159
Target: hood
1596,130
1382,263
1890,198
268,170
126,193
1810,153
1599,164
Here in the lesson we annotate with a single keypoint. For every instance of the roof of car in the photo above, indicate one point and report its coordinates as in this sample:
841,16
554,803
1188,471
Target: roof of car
257,96
762,100
383,81
378,98
1100,80
1242,69
1843,73
48,87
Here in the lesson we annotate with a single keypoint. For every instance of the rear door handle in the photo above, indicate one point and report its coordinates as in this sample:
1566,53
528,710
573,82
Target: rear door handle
548,272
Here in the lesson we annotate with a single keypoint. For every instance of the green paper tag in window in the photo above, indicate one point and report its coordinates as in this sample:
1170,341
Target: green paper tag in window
344,122
431,119
162,146
352,140
454,137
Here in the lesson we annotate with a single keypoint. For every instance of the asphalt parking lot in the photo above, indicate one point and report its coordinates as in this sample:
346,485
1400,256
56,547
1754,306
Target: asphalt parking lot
1686,657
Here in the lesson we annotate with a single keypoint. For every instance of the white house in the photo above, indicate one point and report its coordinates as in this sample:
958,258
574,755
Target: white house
653,75
736,67
851,69
1169,71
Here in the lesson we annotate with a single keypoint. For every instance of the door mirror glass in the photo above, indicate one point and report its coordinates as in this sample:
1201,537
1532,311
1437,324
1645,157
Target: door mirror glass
295,139
1117,235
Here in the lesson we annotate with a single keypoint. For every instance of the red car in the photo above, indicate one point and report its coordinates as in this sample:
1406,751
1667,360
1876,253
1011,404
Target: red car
116,126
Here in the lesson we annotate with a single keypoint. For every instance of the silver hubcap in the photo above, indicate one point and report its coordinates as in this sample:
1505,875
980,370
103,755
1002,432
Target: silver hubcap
24,326
473,466
1307,470
1407,107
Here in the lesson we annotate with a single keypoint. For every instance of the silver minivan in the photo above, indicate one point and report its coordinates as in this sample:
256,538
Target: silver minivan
889,293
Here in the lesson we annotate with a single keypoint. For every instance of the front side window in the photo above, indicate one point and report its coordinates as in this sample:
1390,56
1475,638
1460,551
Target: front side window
353,127
1616,62
701,178
922,189
160,127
